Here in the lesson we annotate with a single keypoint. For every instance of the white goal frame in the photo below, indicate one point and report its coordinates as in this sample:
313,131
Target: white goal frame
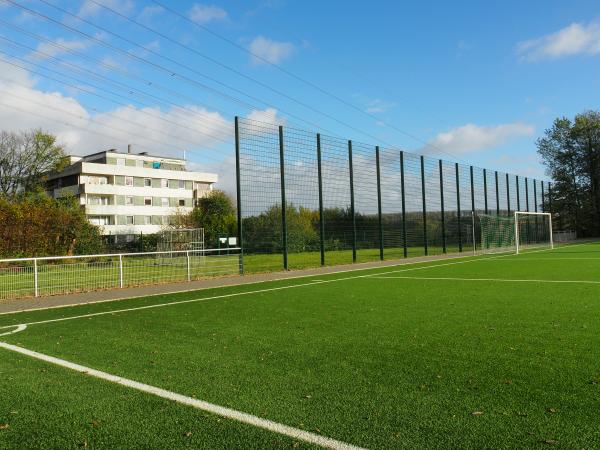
525,213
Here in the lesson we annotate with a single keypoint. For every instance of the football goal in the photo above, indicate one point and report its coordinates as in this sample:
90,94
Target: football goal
521,231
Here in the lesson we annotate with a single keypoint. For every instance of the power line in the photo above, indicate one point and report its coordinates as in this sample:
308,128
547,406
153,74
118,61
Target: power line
299,78
110,127
156,66
92,92
120,85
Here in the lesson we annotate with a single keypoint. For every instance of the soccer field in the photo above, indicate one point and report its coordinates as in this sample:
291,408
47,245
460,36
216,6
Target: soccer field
498,351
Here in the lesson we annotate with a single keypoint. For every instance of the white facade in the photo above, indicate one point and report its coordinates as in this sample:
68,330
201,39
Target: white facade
127,194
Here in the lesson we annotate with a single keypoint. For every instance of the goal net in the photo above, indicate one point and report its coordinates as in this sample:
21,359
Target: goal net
519,232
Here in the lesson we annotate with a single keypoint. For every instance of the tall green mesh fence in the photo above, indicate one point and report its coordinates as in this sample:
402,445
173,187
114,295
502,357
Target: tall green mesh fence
335,213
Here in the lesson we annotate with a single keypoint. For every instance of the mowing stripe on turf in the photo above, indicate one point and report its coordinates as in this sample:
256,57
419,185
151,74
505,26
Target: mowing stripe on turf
239,294
500,280
222,411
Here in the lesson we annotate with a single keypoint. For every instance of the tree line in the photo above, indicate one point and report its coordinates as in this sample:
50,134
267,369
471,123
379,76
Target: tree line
570,149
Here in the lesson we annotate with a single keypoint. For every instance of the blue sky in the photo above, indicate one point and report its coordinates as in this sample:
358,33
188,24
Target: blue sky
477,82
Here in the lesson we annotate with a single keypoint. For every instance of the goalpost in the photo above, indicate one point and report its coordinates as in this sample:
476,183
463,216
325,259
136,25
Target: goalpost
533,230
523,230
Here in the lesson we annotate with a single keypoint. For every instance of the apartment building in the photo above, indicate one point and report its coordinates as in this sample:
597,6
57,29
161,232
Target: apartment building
127,194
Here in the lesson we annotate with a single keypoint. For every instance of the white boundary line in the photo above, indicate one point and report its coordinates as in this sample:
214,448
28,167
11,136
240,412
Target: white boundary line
500,280
193,289
278,288
480,257
228,413
18,329
239,294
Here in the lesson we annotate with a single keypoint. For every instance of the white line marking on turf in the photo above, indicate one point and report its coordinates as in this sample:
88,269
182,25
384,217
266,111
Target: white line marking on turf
501,280
19,328
483,257
279,288
239,294
222,411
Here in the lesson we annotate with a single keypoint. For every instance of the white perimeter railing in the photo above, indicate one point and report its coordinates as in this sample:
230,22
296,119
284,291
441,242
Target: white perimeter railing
35,277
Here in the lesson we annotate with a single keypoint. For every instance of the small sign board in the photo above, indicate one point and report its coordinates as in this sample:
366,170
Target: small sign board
223,240
232,241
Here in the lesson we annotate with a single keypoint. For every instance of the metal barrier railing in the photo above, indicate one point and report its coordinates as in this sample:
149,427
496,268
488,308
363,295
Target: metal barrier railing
35,277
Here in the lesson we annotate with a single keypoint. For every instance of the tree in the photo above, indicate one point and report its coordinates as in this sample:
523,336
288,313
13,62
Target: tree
571,152
215,213
37,225
25,158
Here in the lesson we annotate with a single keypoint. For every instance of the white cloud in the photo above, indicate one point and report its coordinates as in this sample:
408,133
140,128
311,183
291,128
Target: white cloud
378,106
89,9
471,138
574,39
50,49
149,12
206,13
264,49
269,115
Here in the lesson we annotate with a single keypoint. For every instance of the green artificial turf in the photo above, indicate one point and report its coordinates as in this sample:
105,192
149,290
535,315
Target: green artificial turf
368,359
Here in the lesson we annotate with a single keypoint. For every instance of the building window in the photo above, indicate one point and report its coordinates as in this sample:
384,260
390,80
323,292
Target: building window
120,161
148,201
129,201
147,182
97,180
128,181
100,220
181,202
164,201
139,163
164,183
129,220
147,220
181,184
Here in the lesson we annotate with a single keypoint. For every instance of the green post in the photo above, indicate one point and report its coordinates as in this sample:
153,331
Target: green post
526,194
508,193
403,204
543,201
485,191
518,194
425,245
458,212
472,208
497,195
535,204
239,192
379,212
321,222
283,203
352,210
441,165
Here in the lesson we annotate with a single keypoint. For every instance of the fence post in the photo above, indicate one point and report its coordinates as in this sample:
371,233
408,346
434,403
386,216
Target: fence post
485,191
527,194
239,193
379,212
473,207
120,271
535,202
497,195
425,246
518,194
321,221
403,204
35,278
508,193
441,165
189,272
543,202
458,212
352,211
283,203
